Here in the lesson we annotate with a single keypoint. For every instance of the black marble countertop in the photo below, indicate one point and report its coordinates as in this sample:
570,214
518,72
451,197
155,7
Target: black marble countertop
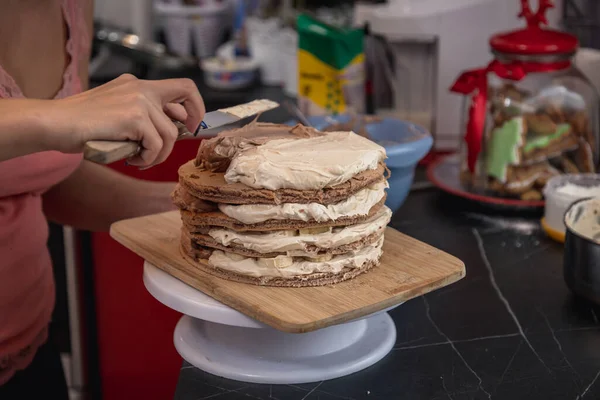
509,330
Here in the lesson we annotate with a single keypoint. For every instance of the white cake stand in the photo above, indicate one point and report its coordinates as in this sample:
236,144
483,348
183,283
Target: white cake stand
224,342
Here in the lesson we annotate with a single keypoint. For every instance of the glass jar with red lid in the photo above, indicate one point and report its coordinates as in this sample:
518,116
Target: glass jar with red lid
530,113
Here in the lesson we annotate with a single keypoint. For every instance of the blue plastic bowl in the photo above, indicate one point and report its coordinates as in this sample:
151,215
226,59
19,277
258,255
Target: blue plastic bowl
405,144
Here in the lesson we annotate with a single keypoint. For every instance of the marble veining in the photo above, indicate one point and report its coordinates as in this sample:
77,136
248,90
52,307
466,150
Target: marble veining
486,262
587,389
558,343
451,343
312,391
455,341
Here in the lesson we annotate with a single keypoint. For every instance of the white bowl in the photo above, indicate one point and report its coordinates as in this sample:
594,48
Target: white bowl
563,190
232,74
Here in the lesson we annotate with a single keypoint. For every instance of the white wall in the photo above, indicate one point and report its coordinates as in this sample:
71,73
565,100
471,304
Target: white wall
114,12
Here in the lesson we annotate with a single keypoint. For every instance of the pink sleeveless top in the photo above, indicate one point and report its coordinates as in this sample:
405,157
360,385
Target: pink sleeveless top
26,280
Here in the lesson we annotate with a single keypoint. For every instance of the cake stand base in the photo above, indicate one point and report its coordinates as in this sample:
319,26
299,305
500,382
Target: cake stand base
273,357
221,341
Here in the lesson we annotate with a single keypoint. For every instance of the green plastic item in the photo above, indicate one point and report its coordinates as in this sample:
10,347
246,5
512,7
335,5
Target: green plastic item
332,45
503,148
540,142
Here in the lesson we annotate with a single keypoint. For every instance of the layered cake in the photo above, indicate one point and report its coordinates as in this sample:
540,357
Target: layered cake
276,205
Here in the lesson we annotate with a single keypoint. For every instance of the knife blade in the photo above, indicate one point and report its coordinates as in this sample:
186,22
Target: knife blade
106,151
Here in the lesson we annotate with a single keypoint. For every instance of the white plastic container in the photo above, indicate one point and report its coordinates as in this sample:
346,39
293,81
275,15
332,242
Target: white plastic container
177,34
205,23
288,48
264,36
560,192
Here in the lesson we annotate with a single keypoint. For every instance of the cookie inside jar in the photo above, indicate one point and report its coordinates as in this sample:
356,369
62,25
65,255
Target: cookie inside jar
533,137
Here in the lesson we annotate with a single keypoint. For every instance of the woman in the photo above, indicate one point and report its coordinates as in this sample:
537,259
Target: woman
46,116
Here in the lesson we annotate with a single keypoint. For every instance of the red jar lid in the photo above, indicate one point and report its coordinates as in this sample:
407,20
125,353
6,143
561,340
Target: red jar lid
534,39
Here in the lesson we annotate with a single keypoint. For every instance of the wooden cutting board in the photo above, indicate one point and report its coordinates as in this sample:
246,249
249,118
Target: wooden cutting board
408,269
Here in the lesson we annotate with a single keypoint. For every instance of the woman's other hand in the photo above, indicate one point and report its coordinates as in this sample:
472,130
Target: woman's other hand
127,108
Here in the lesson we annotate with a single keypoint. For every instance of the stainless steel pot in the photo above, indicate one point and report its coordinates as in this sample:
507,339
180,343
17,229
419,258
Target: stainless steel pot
581,260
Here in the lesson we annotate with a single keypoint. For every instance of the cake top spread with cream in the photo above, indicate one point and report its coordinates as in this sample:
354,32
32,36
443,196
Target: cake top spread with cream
305,164
277,156
215,154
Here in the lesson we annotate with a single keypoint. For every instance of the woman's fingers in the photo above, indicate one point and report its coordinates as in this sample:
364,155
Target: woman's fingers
160,99
176,111
154,152
167,131
185,92
151,142
195,110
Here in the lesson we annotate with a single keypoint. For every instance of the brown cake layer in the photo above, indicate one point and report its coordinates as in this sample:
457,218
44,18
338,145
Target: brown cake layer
211,186
199,259
193,221
200,240
185,201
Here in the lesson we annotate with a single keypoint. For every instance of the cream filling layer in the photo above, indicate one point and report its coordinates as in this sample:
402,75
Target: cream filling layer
252,266
305,164
359,203
282,242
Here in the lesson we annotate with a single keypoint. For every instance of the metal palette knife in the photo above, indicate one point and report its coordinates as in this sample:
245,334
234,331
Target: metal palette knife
106,152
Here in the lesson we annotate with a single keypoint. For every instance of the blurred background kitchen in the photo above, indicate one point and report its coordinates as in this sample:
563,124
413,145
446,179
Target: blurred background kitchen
116,338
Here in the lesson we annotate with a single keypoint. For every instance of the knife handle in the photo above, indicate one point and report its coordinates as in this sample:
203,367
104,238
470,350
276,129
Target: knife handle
109,151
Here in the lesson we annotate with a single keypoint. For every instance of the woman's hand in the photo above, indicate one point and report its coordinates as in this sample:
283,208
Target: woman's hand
127,108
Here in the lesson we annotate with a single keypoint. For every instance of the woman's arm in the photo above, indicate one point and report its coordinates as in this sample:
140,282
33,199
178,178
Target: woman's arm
24,128
125,108
95,196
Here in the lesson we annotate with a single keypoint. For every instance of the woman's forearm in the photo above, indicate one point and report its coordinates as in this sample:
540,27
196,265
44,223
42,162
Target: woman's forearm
25,127
94,197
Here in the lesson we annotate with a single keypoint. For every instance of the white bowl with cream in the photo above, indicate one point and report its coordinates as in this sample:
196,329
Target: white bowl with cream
560,192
